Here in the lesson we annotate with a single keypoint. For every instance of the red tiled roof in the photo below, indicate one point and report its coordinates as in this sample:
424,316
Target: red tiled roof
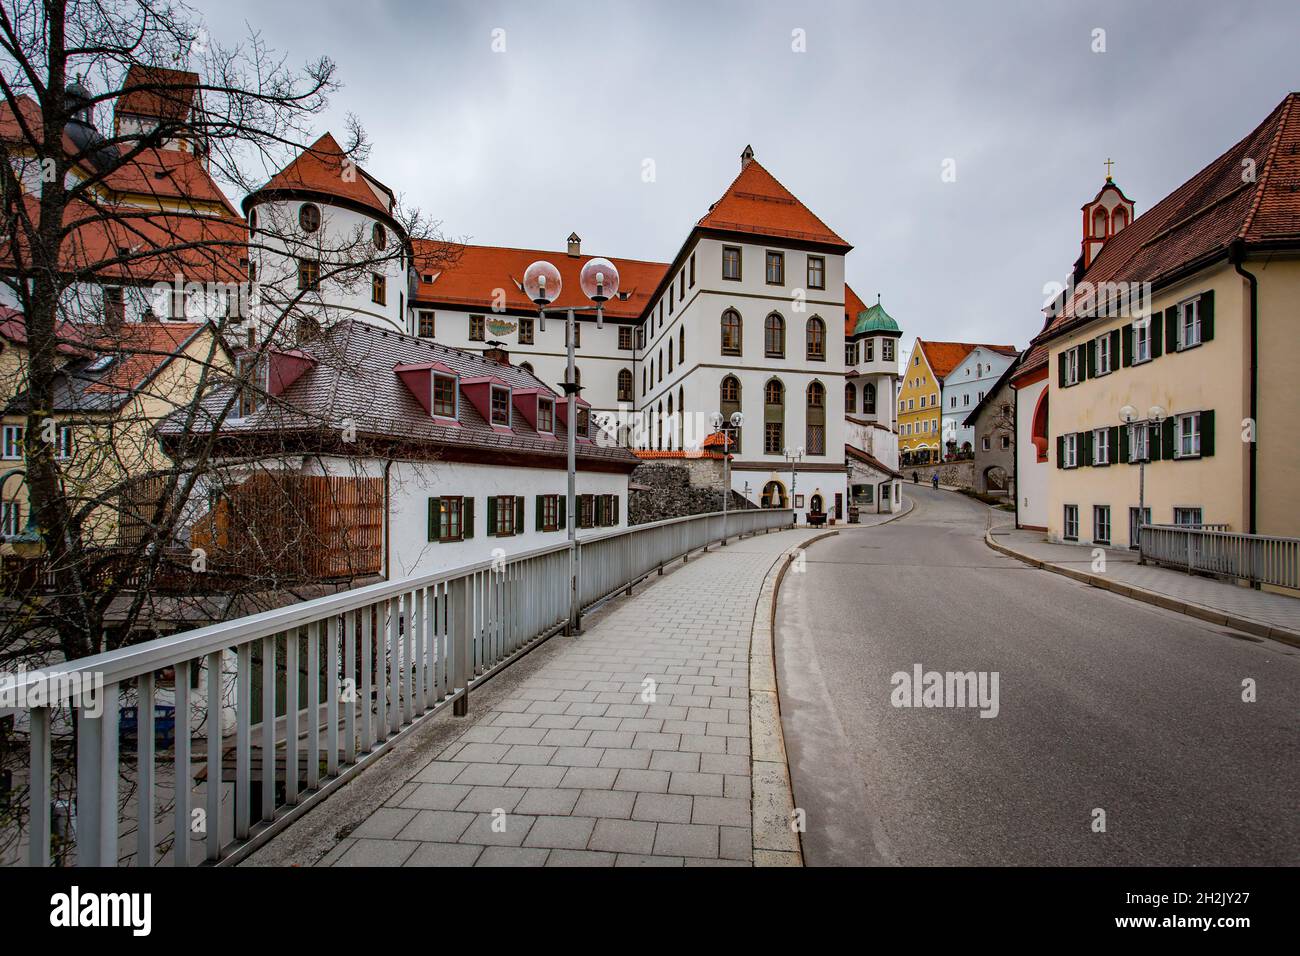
323,167
157,91
13,328
1197,222
757,204
651,455
172,174
852,306
475,273
946,356
143,348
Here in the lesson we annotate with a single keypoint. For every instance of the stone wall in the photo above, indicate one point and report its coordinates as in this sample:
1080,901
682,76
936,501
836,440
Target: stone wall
688,486
957,474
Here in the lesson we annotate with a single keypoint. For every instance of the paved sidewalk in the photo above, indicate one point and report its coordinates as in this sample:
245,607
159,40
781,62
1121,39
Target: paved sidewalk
576,767
1258,612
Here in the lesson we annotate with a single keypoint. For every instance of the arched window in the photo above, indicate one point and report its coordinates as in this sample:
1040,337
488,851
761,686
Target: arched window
773,417
774,336
815,419
774,495
659,427
869,398
527,367
729,404
816,340
671,423
643,380
1121,218
309,217
850,398
1099,223
670,355
681,344
681,417
624,385
731,342
1039,433
661,366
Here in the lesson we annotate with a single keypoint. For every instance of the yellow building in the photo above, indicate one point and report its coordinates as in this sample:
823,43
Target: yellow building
920,397
1183,320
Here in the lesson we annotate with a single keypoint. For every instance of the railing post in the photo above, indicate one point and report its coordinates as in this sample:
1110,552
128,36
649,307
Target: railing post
38,817
459,633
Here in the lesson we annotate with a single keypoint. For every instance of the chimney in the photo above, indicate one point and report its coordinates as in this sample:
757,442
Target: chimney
746,155
496,352
575,245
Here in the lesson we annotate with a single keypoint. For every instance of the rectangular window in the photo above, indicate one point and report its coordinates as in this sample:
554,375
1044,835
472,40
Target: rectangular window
584,422
1070,530
775,268
1189,324
1135,521
1006,442
550,511
692,270
13,442
477,328
772,438
63,443
545,415
504,526
378,289
500,406
450,513
1142,340
1101,524
252,390
1101,446
640,336
816,272
1188,517
444,396
681,285
886,350
625,336
984,444
1104,359
308,275
586,511
10,517
731,262
1072,367
850,353
525,331
1071,451
425,324
671,300
1139,446
1189,435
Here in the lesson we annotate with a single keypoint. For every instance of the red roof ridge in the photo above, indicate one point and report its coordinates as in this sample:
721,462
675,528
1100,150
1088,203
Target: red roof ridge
715,218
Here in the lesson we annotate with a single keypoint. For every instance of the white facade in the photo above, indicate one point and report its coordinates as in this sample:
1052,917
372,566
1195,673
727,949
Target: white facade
964,388
1032,475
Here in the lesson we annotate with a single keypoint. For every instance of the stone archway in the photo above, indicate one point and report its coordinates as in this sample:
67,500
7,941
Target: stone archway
994,480
774,495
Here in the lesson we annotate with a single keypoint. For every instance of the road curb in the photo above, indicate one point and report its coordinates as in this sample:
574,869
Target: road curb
1198,611
772,806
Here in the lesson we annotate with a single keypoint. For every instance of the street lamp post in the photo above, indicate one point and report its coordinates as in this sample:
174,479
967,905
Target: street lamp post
1128,415
794,456
542,285
719,428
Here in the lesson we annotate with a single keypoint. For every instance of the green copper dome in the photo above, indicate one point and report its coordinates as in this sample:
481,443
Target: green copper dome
875,319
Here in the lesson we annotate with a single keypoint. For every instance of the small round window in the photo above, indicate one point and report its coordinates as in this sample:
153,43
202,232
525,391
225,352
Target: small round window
379,237
309,217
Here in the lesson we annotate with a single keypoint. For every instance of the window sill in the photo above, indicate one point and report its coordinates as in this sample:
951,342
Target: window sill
1188,348
1187,457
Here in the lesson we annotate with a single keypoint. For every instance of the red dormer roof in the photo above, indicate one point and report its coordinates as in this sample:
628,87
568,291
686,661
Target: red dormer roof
324,168
756,204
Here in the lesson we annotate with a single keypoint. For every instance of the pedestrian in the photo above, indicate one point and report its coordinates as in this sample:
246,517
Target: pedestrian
915,477
934,480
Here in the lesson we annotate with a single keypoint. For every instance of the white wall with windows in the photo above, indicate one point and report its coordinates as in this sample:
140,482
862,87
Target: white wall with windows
964,388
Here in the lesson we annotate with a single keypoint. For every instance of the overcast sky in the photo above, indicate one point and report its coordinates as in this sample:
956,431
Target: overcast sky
520,147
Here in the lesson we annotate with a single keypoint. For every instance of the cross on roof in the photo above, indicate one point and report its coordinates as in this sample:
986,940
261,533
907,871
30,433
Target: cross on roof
1109,163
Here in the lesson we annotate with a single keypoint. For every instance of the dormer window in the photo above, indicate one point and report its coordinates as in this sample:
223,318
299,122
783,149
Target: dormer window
545,415
584,422
501,406
444,396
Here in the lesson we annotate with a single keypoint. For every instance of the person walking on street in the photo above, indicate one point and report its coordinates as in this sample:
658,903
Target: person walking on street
934,480
915,477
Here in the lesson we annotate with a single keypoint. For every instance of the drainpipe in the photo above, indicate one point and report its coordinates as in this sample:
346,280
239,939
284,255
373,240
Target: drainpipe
1237,255
388,524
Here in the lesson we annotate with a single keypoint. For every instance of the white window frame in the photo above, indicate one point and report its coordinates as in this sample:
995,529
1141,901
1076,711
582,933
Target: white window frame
1101,446
12,443
1139,442
11,514
1184,339
1103,352
1070,511
1142,341
1072,450
1072,366
1098,513
1183,431
1198,513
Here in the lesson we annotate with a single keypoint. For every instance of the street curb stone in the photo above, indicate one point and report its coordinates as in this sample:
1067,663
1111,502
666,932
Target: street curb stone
775,843
1198,611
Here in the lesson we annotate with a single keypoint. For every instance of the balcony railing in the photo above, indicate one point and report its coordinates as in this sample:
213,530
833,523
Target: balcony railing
289,704
1259,559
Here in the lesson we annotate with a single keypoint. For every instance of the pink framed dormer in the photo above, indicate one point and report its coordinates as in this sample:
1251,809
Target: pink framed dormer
583,414
436,387
492,397
537,407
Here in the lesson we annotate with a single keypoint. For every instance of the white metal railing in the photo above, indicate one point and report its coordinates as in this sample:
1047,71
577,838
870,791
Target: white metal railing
360,666
1260,559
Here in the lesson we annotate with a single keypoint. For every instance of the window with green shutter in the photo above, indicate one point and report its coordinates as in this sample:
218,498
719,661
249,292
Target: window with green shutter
1126,345
1157,334
1207,431
1171,329
1207,315
467,518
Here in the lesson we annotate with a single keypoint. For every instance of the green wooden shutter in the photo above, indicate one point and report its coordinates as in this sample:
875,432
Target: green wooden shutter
1157,335
1153,443
1060,363
614,498
1084,372
1207,433
1121,455
600,511
1113,450
1060,451
564,507
519,514
435,508
1126,345
1115,338
1171,329
1207,316
1085,448
467,517
1167,439
541,512
1092,358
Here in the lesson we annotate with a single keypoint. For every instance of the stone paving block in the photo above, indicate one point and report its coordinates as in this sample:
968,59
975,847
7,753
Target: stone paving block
490,829
686,839
547,800
651,781
705,784
636,724
611,738
521,735
436,826
589,778
675,760
653,741
623,836
526,754
565,833
727,811
485,774
377,853
540,708
631,759
566,738
556,721
435,796
580,858
439,771
535,776
586,710
384,824
506,718
633,859
483,733
444,854
482,753
724,763
513,856
704,744
492,798
662,808
736,843
614,804
576,756
736,785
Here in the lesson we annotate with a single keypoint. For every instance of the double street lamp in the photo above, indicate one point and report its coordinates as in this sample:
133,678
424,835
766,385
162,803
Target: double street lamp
542,284
720,428
793,456
1128,415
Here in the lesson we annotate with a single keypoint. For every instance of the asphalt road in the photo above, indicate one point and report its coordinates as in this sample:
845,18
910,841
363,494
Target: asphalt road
1104,704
